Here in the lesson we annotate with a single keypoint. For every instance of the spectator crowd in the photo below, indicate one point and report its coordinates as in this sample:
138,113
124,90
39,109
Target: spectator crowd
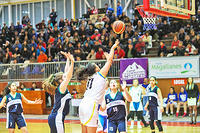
88,41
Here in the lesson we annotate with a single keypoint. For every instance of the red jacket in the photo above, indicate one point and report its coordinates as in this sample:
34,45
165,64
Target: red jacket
139,46
120,53
175,43
94,36
99,55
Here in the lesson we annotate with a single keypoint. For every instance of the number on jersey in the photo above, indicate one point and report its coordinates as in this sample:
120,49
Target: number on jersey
115,109
89,83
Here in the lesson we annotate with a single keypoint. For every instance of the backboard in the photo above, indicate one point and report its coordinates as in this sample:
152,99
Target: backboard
172,8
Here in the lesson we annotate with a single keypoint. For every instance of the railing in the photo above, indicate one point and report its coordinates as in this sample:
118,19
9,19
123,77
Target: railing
40,71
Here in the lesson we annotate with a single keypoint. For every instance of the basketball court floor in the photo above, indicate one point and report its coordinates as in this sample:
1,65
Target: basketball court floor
39,124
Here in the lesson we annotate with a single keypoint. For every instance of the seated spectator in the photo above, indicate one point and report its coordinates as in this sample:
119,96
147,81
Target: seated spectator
181,35
175,42
187,40
33,86
79,53
90,31
22,87
182,101
25,53
91,55
192,35
165,29
86,49
190,49
99,24
140,46
119,53
172,99
40,48
186,53
180,49
139,27
147,39
42,57
100,54
196,42
162,49
130,52
96,34
89,41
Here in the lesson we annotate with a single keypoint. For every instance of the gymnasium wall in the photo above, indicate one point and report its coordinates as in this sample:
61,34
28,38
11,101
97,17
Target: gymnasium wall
38,11
163,84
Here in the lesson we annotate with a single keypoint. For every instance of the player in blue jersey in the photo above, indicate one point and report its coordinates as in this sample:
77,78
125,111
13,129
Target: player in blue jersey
57,84
13,103
154,105
182,101
116,108
171,101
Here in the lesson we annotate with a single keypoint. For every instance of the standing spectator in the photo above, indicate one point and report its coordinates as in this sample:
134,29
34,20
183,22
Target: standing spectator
119,9
25,20
119,53
42,57
53,17
193,92
18,27
96,34
61,24
94,10
162,49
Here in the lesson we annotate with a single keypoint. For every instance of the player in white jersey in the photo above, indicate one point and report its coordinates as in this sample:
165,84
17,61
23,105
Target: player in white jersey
136,92
95,90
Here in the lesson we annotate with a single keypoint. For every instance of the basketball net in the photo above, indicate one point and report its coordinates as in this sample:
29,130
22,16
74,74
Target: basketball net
149,19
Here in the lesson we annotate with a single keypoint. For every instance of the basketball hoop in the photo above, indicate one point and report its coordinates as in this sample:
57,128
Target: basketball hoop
149,19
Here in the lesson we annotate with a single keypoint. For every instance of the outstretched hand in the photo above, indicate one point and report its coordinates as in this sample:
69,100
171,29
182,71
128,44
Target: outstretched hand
123,85
2,105
68,55
116,44
38,101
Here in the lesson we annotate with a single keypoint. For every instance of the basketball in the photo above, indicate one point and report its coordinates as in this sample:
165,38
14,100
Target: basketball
118,27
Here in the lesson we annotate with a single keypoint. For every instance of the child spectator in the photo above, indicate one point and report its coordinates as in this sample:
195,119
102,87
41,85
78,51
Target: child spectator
182,101
172,98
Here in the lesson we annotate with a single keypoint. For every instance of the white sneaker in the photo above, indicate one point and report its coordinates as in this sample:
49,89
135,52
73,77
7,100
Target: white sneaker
132,124
138,125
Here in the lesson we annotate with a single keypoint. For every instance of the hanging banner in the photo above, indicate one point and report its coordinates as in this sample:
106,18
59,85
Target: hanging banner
133,69
175,67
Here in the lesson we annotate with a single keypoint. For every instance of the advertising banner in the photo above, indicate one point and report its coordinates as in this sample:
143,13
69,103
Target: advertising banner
133,69
175,67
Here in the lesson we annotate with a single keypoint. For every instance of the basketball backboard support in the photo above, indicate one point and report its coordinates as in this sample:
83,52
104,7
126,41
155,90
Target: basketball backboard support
172,8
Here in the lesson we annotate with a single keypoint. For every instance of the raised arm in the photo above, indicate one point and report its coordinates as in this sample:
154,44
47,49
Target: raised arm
109,57
161,99
103,105
68,74
125,92
3,102
37,101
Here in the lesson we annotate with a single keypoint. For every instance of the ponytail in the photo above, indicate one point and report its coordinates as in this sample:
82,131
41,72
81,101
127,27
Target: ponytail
84,72
7,90
52,82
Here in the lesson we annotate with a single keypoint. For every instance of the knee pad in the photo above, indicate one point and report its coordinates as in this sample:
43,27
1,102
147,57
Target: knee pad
158,123
151,123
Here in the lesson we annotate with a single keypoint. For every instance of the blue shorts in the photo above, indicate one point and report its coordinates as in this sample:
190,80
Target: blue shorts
103,121
14,118
118,124
56,123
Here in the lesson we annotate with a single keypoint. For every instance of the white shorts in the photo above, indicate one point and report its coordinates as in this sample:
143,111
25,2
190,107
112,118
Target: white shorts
192,101
88,113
